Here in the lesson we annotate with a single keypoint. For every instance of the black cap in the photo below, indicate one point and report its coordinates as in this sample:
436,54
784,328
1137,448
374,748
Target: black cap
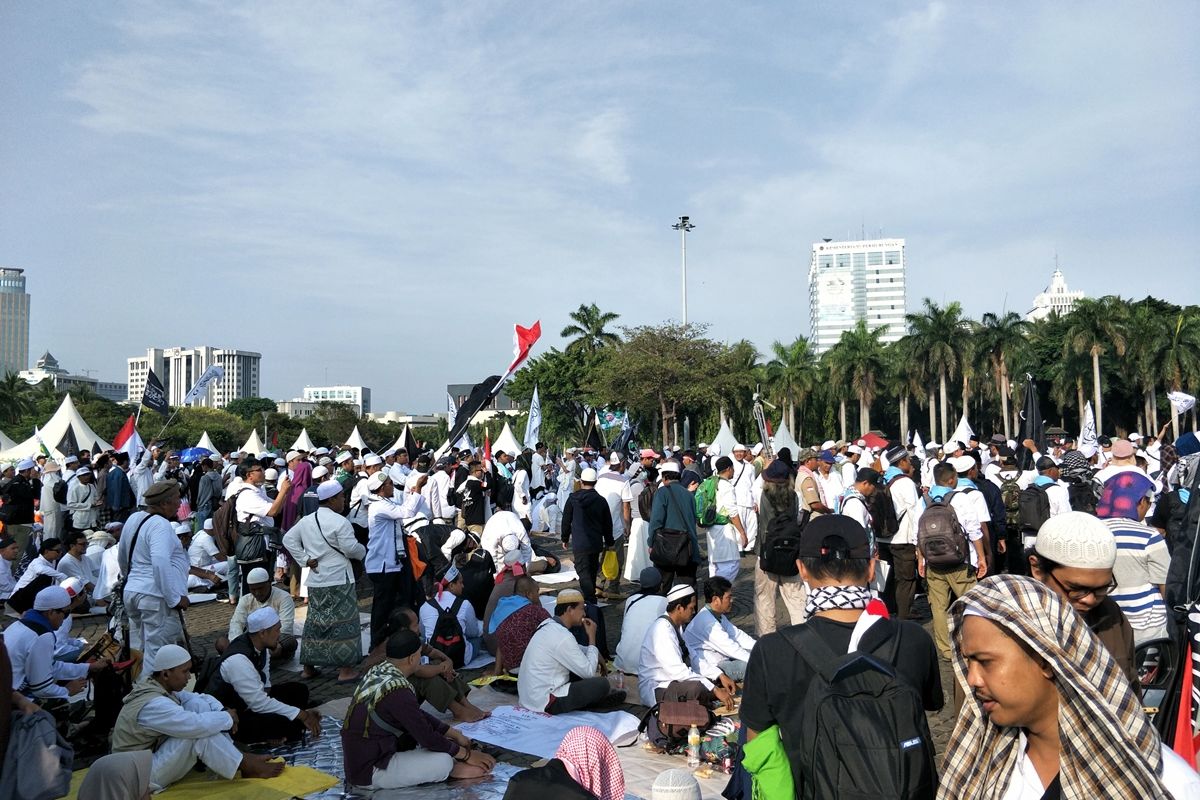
723,463
1044,463
834,536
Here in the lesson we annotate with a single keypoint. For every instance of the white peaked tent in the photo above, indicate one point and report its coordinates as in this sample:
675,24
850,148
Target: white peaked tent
355,440
507,442
783,438
207,444
6,443
303,442
725,439
253,445
400,440
66,417
963,432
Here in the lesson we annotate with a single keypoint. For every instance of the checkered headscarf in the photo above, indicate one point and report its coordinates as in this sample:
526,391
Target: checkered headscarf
1109,747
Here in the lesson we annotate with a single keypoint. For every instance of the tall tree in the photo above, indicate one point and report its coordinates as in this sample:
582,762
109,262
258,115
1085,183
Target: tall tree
939,336
16,399
1181,358
858,364
791,376
1096,327
1000,339
589,329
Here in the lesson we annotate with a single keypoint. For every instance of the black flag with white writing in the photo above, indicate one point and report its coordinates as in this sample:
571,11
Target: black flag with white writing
481,395
154,397
1032,426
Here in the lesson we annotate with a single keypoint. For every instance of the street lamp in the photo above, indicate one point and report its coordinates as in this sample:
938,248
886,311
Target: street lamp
683,226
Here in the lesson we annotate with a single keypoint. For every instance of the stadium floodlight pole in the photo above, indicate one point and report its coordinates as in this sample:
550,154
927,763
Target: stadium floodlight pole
683,226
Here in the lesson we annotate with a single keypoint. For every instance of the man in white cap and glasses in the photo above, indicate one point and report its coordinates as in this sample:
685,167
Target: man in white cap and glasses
157,568
743,489
665,657
256,543
182,727
264,594
30,644
266,713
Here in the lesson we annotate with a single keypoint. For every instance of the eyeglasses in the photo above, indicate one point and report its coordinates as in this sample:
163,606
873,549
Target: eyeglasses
1077,593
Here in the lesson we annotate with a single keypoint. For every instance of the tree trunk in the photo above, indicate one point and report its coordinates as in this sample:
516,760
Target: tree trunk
799,432
1079,397
1004,389
942,390
1096,390
665,417
932,417
864,413
904,417
792,416
1154,406
842,416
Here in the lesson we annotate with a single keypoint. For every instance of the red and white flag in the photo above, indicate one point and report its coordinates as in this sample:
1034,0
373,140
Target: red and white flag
487,449
523,341
128,441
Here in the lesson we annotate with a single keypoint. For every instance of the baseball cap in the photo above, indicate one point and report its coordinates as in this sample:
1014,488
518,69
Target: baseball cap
834,536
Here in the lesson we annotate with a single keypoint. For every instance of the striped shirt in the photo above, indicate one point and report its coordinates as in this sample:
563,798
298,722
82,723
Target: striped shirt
1141,567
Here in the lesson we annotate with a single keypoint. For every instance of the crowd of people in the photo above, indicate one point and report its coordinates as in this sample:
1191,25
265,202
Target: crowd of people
1040,579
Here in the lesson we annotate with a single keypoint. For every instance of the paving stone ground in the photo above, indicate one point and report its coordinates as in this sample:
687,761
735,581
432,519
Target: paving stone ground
208,621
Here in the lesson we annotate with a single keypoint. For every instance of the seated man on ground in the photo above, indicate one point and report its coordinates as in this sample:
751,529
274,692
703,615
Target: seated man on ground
243,682
513,623
449,599
73,564
506,582
205,554
557,674
31,643
41,572
388,742
435,680
67,647
198,578
182,727
716,644
665,659
264,594
641,609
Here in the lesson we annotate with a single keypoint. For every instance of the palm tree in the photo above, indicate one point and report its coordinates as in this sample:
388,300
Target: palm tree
792,375
859,364
999,340
588,330
1148,333
1181,356
16,398
1095,327
939,337
835,389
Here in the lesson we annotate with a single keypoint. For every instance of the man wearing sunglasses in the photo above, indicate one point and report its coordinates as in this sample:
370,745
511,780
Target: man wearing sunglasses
1074,555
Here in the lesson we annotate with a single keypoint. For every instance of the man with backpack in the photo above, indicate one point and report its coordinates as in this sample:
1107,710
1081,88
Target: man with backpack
798,693
726,535
1042,499
781,514
902,493
950,554
449,621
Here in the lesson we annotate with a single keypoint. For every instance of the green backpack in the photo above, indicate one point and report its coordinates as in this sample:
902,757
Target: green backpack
706,504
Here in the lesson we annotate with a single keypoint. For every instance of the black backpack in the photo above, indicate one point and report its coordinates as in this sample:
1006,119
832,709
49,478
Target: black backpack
1082,497
864,730
781,541
646,500
940,535
884,521
1035,508
448,634
59,492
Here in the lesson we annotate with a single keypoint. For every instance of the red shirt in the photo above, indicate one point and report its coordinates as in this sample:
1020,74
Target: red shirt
514,633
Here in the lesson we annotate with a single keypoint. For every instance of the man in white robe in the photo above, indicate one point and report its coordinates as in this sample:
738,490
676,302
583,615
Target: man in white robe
665,658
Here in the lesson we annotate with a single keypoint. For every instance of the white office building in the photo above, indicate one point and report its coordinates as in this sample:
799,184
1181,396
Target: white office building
180,367
357,396
852,281
1057,299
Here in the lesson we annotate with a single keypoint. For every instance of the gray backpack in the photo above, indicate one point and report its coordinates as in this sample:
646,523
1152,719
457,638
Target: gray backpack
44,759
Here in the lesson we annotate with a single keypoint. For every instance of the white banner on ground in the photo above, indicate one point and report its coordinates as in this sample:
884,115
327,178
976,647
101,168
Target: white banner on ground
538,734
1182,403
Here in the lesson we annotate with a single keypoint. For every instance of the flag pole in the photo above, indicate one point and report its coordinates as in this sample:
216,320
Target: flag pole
139,415
174,411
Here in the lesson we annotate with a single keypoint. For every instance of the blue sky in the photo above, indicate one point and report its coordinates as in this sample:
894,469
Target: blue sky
381,190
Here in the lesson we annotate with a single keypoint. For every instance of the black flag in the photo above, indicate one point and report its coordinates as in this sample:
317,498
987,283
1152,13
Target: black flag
154,397
68,445
625,441
594,440
1031,427
409,445
481,395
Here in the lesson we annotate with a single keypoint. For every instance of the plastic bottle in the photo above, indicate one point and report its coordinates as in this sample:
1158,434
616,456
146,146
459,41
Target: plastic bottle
693,750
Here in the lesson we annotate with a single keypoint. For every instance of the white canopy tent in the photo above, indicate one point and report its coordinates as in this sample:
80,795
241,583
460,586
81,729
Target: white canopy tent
507,442
783,438
725,439
207,444
6,443
55,431
303,442
254,445
355,440
401,440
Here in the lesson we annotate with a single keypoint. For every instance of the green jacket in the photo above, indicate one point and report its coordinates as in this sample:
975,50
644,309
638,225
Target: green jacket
764,758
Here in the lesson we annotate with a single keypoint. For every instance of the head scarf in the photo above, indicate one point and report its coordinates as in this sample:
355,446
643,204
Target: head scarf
1168,457
593,763
1122,492
301,480
1109,747
380,681
1074,467
119,776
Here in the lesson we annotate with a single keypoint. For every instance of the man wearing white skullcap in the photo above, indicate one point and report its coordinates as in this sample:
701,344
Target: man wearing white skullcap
390,520
324,541
243,683
1074,555
743,490
182,727
676,784
505,523
31,644
255,518
665,658
264,593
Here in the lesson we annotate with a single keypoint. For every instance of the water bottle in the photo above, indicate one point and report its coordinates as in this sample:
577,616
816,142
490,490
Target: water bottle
618,680
693,753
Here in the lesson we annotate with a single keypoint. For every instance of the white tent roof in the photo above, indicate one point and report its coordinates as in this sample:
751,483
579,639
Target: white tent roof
355,440
783,438
67,416
6,443
253,445
963,432
303,442
725,439
207,444
507,442
399,443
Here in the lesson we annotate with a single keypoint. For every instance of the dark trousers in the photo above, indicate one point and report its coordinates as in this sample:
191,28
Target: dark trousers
255,727
685,574
580,694
439,691
22,600
1014,555
904,577
244,568
588,567
391,590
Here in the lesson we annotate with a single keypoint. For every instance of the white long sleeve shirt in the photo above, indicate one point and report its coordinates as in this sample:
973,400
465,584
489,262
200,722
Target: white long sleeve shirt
251,685
467,619
39,566
640,611
279,600
35,673
329,538
908,504
662,661
522,503
385,534
435,495
500,525
552,656
164,715
8,581
74,567
743,483
711,639
141,477
80,499
159,564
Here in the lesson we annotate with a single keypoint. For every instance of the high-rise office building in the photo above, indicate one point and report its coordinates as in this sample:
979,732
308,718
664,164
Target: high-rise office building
14,321
180,367
357,396
852,281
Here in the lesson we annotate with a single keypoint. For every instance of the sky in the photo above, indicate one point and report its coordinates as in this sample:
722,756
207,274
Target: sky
374,193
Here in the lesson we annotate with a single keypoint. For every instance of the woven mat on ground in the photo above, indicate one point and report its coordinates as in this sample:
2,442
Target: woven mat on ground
296,781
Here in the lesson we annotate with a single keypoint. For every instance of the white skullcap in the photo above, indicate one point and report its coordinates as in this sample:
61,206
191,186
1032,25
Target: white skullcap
675,784
702,445
208,524
587,476
679,592
321,451
1077,539
510,542
79,473
377,480
325,461
320,472
327,489
264,455
343,456
758,448
258,575
372,460
962,463
235,454
669,467
279,462
170,656
412,480
739,446
271,474
182,528
854,449
358,462
291,454
24,464
391,451
114,526
827,444
615,458
52,598
73,586
262,618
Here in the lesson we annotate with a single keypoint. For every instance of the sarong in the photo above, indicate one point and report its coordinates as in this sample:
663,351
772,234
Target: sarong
332,633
